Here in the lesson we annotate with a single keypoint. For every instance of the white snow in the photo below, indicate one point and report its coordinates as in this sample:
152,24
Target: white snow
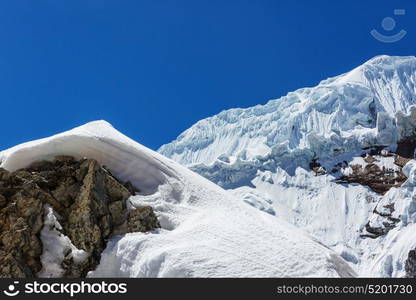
55,246
380,161
206,231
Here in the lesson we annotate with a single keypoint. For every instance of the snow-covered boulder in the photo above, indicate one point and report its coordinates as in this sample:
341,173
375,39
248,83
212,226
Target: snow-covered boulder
206,231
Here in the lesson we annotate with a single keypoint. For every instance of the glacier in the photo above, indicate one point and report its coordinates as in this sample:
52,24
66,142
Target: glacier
206,231
334,117
262,155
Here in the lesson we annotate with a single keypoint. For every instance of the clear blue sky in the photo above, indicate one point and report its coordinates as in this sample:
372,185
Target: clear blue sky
152,68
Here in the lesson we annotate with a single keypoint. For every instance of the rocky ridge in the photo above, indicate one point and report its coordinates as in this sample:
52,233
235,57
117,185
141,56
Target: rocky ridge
89,205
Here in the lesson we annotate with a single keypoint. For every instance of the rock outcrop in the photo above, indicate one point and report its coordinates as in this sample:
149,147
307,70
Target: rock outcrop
91,205
406,147
386,222
379,179
410,264
316,167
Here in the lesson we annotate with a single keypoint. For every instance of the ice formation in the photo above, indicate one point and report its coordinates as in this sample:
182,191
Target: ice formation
263,154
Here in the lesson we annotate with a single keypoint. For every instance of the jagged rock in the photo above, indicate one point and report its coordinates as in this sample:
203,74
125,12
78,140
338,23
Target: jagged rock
118,212
383,179
131,188
316,167
405,150
378,179
3,201
406,147
91,204
369,159
89,222
142,219
21,220
410,265
400,161
385,153
374,150
375,231
385,217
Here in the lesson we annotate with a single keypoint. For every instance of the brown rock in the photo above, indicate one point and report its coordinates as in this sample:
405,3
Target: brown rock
378,179
142,219
90,201
118,212
369,159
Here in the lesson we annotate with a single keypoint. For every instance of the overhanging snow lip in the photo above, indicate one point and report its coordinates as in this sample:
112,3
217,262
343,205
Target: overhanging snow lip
127,159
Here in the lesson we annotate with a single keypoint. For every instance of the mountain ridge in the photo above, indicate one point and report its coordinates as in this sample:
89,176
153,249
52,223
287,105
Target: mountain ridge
305,157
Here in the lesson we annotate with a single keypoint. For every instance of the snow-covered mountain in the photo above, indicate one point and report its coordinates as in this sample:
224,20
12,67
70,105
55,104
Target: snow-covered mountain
293,158
205,230
318,183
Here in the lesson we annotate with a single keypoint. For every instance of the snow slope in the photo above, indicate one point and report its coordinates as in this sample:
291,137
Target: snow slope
206,231
262,155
